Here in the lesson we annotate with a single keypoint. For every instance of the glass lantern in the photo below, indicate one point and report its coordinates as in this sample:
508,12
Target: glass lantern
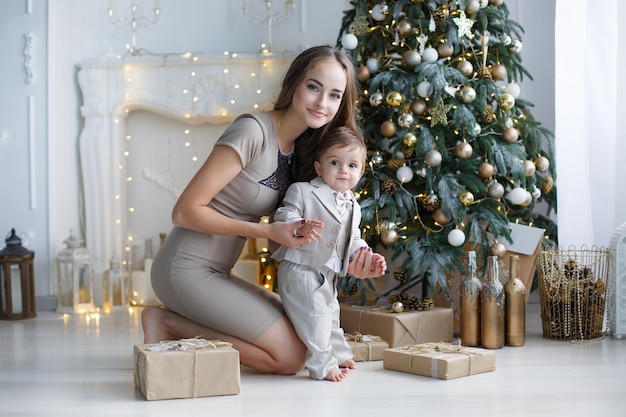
17,281
115,283
74,292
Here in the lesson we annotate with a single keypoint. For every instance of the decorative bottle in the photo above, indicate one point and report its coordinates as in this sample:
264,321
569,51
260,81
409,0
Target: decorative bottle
514,306
470,305
492,307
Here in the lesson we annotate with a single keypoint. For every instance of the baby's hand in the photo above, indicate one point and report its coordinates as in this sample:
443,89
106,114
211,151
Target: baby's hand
379,264
309,229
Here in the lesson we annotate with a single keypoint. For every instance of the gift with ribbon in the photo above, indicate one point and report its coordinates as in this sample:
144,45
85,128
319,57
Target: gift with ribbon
366,347
186,368
398,329
439,360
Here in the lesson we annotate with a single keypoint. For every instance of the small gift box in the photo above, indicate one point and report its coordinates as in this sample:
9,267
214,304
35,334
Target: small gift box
366,347
398,329
439,360
186,368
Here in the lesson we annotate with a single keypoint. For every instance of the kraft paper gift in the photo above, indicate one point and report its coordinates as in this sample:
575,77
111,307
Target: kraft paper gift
398,329
439,360
366,347
186,368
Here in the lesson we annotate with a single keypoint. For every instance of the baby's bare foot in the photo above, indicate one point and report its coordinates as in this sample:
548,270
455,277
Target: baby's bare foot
336,374
348,364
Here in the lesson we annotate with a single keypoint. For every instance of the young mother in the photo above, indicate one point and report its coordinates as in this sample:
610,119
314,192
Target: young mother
243,179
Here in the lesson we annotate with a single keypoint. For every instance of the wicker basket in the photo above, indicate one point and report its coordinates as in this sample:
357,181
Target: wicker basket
572,289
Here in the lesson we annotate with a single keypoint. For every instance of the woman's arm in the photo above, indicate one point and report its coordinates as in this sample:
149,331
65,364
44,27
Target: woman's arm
191,211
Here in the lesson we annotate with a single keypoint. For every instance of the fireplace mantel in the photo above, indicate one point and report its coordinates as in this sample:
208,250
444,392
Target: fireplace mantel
193,89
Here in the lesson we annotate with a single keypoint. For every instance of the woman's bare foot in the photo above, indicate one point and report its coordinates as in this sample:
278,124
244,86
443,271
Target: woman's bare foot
348,364
336,374
152,321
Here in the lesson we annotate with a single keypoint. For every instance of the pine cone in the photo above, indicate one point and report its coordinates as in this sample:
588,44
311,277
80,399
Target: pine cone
412,304
547,184
440,15
386,62
488,115
484,73
399,274
395,163
389,187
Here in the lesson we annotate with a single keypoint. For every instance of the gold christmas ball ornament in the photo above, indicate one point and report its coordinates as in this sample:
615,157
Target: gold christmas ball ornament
376,99
498,72
412,58
394,99
497,249
418,107
433,158
506,101
496,2
404,27
495,190
467,94
465,67
389,236
510,135
388,128
542,164
363,73
486,170
409,139
397,307
441,216
445,49
466,198
529,167
464,150
406,120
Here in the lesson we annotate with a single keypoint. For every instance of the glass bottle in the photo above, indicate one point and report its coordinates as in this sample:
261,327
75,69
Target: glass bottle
492,307
515,306
470,305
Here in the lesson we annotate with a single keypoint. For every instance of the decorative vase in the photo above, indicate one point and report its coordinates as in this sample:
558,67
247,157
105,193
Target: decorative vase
492,307
470,305
514,306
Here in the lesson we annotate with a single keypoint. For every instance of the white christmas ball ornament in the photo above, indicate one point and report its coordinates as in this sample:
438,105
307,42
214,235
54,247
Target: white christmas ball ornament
517,46
404,174
430,55
424,89
517,195
456,237
349,41
483,3
379,11
372,64
513,89
472,6
495,190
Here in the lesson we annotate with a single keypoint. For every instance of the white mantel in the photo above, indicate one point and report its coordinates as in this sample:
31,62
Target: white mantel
193,89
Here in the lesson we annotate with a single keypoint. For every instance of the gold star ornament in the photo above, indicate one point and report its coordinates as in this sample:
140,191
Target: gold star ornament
439,113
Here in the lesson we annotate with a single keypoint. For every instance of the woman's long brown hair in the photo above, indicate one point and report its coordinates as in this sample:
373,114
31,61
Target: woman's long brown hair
307,143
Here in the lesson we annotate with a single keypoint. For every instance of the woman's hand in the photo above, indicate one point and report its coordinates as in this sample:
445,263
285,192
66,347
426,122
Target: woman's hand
367,264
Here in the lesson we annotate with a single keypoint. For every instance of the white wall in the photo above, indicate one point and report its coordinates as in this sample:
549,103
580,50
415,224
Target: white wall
77,30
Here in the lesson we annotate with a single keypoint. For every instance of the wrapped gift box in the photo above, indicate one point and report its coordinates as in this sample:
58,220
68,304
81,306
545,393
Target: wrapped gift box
186,368
366,347
439,360
398,329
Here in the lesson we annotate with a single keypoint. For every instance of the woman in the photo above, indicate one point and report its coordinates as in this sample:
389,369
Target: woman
244,178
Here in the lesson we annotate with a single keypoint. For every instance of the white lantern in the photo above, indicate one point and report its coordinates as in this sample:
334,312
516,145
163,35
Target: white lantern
74,290
115,286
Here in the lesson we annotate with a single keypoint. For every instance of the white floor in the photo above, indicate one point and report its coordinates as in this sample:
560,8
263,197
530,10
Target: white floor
74,366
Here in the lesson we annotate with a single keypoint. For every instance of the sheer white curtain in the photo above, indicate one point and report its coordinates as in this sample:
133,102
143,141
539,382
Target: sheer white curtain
590,120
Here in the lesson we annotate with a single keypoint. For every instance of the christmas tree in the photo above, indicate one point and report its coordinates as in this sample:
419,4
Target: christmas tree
455,153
